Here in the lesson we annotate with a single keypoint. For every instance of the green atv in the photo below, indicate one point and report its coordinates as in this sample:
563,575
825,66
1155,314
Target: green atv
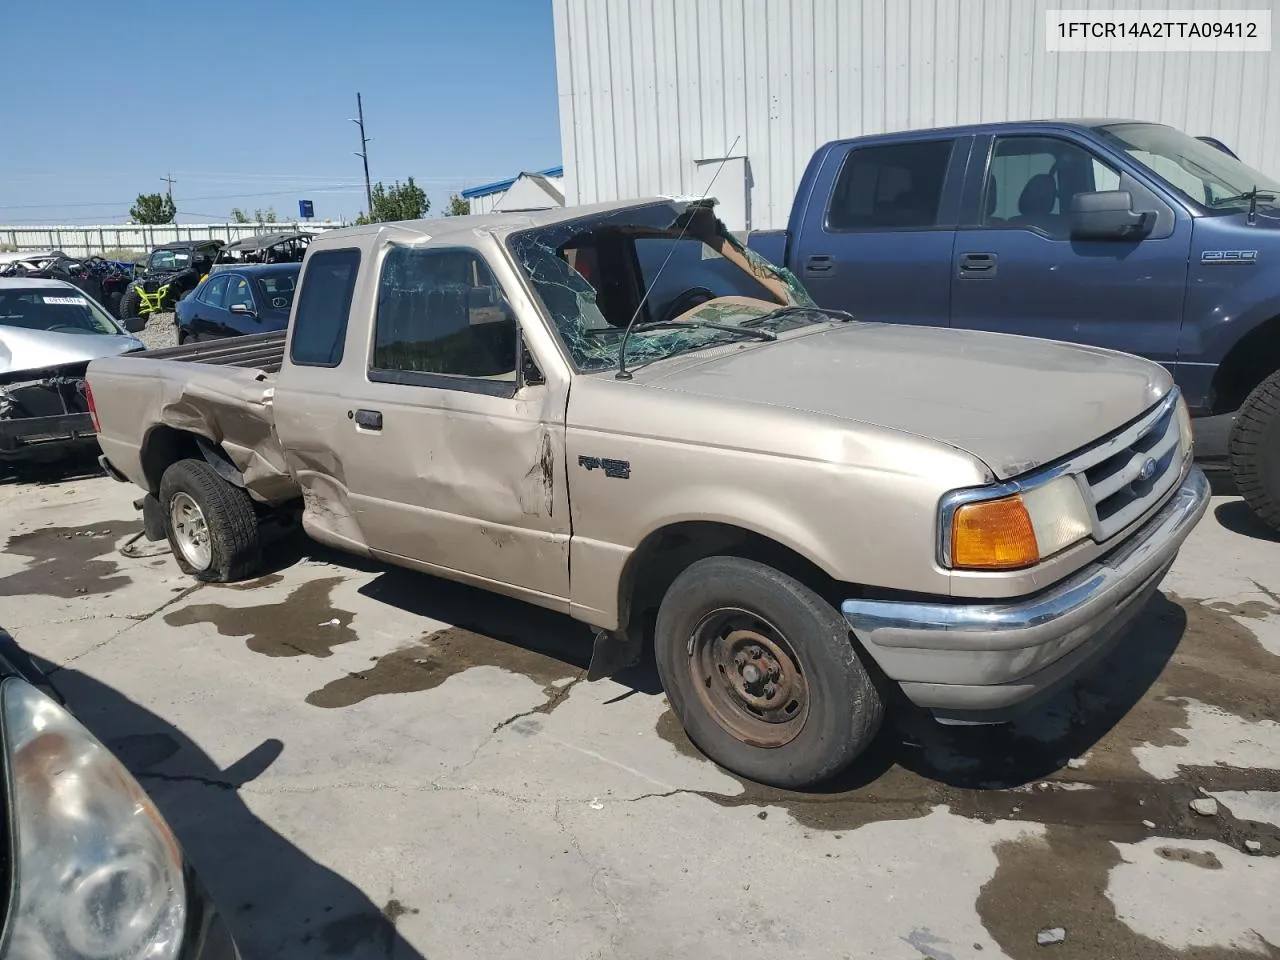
171,272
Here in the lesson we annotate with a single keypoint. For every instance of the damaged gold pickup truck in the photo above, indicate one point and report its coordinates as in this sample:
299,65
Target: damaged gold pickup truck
620,413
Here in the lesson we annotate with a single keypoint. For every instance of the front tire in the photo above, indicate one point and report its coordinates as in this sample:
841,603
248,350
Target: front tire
130,304
211,524
1255,450
763,674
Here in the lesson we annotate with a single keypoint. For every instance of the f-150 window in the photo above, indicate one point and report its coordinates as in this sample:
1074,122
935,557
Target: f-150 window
320,322
213,291
1031,181
895,186
441,312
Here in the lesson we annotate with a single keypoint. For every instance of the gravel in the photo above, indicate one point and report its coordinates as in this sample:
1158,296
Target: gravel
159,332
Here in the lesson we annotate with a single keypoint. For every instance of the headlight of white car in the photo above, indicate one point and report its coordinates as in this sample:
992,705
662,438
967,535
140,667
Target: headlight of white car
99,874
1018,530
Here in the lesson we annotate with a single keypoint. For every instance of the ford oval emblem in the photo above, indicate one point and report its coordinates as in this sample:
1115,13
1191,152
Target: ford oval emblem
1148,470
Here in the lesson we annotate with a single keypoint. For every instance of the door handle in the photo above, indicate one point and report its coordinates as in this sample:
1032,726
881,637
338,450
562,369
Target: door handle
367,419
978,265
819,265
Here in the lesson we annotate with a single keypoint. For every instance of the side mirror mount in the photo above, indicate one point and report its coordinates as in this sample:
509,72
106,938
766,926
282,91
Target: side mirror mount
1108,215
135,324
243,310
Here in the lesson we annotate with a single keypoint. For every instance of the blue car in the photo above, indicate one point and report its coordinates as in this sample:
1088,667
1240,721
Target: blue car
233,301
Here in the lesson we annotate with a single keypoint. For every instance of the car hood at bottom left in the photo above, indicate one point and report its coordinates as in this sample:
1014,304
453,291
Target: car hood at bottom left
22,349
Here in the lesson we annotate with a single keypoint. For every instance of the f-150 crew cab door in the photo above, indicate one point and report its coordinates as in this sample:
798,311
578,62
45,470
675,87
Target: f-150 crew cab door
876,234
1020,265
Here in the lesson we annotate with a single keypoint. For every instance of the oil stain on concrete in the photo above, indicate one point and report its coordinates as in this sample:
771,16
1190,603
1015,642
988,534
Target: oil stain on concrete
437,657
67,561
303,624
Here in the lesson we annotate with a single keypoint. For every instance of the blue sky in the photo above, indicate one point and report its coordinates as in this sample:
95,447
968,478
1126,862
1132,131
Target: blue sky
248,104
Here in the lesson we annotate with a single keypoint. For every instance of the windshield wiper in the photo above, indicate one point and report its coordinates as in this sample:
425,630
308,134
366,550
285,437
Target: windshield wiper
1253,196
690,325
783,313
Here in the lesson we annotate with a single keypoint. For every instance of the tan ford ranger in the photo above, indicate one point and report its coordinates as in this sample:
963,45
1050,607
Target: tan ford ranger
619,413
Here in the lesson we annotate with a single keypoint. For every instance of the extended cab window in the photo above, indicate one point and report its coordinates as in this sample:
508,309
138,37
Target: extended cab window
441,313
895,186
1031,181
320,322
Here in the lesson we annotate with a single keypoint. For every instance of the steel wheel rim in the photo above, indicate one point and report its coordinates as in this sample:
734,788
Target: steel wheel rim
190,531
748,677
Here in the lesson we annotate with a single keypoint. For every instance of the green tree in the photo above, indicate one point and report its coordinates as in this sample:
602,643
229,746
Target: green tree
259,216
400,201
153,208
458,207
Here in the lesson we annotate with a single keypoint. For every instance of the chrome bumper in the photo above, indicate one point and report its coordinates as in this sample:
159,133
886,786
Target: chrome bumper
978,658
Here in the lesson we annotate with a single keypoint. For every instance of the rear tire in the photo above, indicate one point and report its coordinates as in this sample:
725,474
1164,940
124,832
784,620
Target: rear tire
113,303
1255,450
211,524
763,673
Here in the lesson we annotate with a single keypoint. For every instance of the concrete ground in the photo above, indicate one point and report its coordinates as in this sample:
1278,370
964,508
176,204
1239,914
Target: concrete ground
365,762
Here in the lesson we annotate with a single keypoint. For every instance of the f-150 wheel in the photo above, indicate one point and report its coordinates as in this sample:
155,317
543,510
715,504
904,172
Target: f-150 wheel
210,523
1255,450
763,674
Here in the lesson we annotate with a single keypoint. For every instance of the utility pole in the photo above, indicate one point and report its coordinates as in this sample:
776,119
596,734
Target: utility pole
170,181
363,154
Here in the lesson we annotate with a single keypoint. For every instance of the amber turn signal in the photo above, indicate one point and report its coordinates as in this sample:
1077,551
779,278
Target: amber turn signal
993,535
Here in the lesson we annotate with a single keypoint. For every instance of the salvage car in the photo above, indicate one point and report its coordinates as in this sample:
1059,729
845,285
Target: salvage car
91,868
264,248
800,509
49,331
236,300
102,279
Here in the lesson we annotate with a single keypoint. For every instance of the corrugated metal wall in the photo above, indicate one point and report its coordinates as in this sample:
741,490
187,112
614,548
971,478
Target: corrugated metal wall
649,87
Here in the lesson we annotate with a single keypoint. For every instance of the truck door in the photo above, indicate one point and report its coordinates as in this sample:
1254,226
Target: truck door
454,451
877,231
1017,269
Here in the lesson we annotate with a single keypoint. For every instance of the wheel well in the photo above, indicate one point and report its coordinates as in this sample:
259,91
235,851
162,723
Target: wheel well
663,554
1246,365
164,447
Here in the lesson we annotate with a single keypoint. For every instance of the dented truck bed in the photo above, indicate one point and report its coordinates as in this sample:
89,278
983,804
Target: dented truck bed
219,392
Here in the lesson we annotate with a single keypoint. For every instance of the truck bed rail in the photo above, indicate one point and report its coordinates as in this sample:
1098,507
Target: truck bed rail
260,351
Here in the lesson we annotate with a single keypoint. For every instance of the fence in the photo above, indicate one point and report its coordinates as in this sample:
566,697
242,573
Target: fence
79,241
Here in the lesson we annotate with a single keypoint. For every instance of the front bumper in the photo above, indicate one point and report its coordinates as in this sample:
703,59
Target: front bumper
44,438
982,662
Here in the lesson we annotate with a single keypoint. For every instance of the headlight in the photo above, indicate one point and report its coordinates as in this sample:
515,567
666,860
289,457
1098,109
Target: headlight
1186,437
99,875
1019,530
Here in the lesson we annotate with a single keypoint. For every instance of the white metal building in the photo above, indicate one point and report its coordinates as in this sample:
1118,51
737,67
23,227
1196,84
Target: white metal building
528,191
655,93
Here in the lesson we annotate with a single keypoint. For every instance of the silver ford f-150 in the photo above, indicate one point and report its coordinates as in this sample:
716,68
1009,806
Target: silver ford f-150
620,413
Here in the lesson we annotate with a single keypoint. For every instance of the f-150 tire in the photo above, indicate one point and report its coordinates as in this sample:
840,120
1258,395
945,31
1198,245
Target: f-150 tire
763,674
210,523
1255,450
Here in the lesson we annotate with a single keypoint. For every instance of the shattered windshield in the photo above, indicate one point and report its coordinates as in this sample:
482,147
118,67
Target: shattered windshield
662,264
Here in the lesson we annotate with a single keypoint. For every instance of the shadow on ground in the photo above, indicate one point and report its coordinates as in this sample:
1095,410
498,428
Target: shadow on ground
277,901
1238,517
80,466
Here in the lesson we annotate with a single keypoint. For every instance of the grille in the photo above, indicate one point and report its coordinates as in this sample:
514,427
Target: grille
1126,475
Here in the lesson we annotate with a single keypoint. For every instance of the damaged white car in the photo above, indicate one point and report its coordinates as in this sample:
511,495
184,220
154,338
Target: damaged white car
49,331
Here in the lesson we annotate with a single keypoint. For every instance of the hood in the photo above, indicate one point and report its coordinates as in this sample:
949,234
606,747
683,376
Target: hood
40,349
1013,402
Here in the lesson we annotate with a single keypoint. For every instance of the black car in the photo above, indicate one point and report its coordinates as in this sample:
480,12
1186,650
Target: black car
171,272
236,300
90,868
